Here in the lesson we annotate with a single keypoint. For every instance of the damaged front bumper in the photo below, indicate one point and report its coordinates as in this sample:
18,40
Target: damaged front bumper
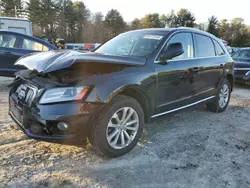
40,121
39,136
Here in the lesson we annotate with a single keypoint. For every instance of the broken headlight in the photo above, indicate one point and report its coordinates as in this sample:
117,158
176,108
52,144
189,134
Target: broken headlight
63,94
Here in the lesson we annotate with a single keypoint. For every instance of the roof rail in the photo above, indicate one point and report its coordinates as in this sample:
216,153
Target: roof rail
181,27
195,29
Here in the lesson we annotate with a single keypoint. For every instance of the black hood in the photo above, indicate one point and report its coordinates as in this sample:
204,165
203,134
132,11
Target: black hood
45,62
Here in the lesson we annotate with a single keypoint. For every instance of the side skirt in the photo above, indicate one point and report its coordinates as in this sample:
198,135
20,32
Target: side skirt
183,107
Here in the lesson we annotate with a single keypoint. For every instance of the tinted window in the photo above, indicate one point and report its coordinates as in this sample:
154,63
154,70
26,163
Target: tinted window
218,48
7,41
204,46
33,45
186,40
242,54
136,43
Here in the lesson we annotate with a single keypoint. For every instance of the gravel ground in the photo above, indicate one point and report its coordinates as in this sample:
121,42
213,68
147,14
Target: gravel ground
4,81
191,148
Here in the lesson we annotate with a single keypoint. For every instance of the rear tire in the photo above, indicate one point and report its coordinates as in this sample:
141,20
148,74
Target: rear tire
222,98
118,127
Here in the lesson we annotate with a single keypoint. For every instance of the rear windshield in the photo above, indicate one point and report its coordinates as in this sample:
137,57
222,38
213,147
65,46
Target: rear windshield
137,43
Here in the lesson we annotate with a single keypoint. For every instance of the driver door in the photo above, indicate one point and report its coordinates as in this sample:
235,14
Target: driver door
176,78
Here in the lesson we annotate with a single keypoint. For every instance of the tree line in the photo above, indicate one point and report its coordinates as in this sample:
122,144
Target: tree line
74,22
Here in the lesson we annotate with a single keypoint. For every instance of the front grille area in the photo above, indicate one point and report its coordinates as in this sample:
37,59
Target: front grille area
20,96
25,93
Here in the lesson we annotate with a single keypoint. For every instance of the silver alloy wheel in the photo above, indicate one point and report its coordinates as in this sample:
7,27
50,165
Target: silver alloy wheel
122,128
224,96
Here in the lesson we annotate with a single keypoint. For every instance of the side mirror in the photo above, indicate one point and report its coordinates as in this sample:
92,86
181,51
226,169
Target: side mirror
172,50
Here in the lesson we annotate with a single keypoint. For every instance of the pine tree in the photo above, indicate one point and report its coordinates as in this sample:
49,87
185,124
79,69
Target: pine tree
213,26
12,8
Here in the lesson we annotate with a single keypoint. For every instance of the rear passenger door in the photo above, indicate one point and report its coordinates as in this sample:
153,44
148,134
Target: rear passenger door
209,65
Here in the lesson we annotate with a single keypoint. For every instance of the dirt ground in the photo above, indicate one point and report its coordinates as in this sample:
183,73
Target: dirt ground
4,81
191,148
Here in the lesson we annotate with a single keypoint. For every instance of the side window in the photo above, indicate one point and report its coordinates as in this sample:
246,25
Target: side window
7,41
242,54
218,48
236,54
45,48
204,46
33,45
187,41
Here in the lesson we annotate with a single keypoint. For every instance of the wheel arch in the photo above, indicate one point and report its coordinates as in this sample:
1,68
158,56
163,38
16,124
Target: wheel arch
139,95
230,78
105,93
141,98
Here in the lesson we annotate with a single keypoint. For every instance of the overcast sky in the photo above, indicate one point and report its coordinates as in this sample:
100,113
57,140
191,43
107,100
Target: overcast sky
202,9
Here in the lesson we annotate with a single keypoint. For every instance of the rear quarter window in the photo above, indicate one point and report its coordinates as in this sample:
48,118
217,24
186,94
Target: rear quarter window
204,46
219,50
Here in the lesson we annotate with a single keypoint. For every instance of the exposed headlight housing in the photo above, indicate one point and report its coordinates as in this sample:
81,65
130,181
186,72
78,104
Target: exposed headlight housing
63,94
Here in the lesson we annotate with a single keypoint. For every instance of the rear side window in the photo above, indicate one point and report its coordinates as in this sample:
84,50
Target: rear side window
218,48
33,45
7,41
204,46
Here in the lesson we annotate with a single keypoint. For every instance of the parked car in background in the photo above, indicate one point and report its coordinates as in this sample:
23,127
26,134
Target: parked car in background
234,49
82,46
89,47
107,95
229,49
242,65
74,46
14,45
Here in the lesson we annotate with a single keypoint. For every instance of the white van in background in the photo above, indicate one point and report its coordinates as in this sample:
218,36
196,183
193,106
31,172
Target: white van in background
20,25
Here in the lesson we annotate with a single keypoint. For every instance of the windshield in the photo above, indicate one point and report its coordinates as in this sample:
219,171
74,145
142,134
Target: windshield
242,54
140,44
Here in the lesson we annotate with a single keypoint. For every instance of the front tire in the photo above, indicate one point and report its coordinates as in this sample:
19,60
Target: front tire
222,98
118,127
